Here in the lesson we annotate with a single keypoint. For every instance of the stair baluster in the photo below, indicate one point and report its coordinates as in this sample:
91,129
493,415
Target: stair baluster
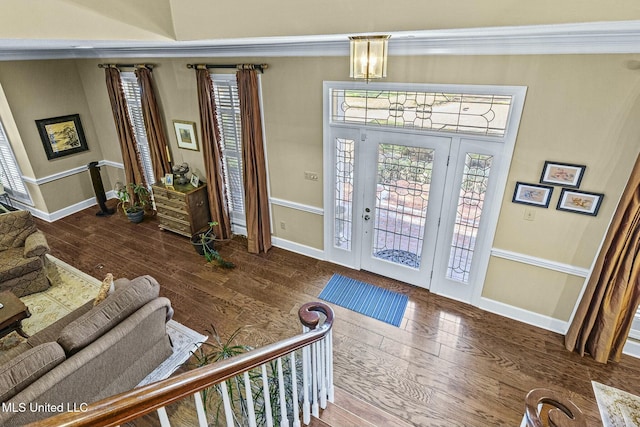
284,420
294,391
202,416
315,409
306,368
330,389
249,396
323,377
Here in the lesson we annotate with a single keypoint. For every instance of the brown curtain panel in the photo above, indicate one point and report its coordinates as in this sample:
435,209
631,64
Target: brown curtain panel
603,319
130,156
156,135
254,165
212,153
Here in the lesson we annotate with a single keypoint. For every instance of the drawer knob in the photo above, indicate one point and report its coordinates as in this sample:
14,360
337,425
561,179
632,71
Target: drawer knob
200,203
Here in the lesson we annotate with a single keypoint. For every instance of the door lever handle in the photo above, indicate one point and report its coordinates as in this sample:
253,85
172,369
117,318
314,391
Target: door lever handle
367,217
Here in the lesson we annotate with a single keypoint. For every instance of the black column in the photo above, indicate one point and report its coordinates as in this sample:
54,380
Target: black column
98,188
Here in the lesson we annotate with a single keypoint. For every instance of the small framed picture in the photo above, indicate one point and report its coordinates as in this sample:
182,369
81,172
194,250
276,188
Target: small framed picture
580,202
168,180
186,135
532,194
564,174
195,181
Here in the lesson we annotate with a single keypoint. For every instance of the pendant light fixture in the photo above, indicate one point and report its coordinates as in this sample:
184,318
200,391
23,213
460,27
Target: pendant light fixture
368,58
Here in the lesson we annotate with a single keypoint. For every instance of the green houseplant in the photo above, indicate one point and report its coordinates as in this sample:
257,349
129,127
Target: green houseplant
132,199
220,350
204,241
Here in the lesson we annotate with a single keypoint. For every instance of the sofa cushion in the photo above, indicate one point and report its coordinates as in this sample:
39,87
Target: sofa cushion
14,229
13,264
26,368
115,308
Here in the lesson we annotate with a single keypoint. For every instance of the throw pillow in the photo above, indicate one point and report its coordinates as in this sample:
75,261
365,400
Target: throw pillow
26,368
105,289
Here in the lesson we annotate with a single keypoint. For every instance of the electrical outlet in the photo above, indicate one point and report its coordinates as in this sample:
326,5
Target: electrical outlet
529,214
283,225
311,176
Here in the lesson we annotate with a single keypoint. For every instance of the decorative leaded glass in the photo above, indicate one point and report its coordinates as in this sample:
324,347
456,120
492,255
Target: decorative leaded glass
470,202
433,111
402,196
344,193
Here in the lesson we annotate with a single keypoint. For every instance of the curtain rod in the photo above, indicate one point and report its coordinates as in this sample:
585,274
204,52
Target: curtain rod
259,67
150,66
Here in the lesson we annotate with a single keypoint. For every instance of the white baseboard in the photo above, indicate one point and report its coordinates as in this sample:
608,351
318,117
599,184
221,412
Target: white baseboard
69,210
297,248
525,316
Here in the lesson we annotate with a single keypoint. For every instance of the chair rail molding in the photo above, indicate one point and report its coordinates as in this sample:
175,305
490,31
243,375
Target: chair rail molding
69,172
296,205
540,262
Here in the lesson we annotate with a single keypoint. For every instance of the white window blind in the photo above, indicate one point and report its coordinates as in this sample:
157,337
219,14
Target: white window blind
10,175
228,114
132,94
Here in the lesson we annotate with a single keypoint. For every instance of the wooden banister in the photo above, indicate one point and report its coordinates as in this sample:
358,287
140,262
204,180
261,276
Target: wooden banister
127,406
545,407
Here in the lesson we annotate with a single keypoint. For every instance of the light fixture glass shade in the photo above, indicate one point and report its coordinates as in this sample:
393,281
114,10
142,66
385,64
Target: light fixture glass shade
368,57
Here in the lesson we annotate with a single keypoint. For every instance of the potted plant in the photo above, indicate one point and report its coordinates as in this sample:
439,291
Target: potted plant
203,242
133,198
219,350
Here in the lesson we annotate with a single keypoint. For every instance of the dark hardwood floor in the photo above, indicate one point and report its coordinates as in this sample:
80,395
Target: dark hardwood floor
449,364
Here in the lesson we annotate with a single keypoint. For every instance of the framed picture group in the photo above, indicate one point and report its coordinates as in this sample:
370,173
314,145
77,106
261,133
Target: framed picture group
568,176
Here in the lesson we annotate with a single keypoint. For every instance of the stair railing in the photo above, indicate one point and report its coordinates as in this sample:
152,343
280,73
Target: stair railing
544,407
315,344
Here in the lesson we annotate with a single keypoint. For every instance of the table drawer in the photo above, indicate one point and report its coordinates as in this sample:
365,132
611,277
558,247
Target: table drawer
172,203
174,225
170,212
168,194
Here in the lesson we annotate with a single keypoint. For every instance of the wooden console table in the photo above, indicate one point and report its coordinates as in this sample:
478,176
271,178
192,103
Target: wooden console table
12,314
183,209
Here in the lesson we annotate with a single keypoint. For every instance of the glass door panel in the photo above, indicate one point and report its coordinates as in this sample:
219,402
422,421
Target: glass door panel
402,198
403,188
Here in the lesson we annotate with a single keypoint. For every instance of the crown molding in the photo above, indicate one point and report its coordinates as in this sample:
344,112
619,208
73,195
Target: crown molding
614,37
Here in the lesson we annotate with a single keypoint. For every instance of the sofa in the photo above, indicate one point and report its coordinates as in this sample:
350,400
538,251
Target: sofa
92,353
22,251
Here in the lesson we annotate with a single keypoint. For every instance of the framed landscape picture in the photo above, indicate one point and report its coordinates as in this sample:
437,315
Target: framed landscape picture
580,202
186,135
62,136
564,174
532,194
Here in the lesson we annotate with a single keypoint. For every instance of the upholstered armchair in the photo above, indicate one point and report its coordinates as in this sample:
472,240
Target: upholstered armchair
22,251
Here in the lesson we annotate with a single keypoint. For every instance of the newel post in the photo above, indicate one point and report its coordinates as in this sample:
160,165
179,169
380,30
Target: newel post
317,360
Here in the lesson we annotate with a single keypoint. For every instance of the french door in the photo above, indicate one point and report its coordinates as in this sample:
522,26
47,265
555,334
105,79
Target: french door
414,179
402,192
410,207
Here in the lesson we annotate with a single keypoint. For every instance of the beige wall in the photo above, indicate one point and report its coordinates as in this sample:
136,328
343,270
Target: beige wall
579,109
44,89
